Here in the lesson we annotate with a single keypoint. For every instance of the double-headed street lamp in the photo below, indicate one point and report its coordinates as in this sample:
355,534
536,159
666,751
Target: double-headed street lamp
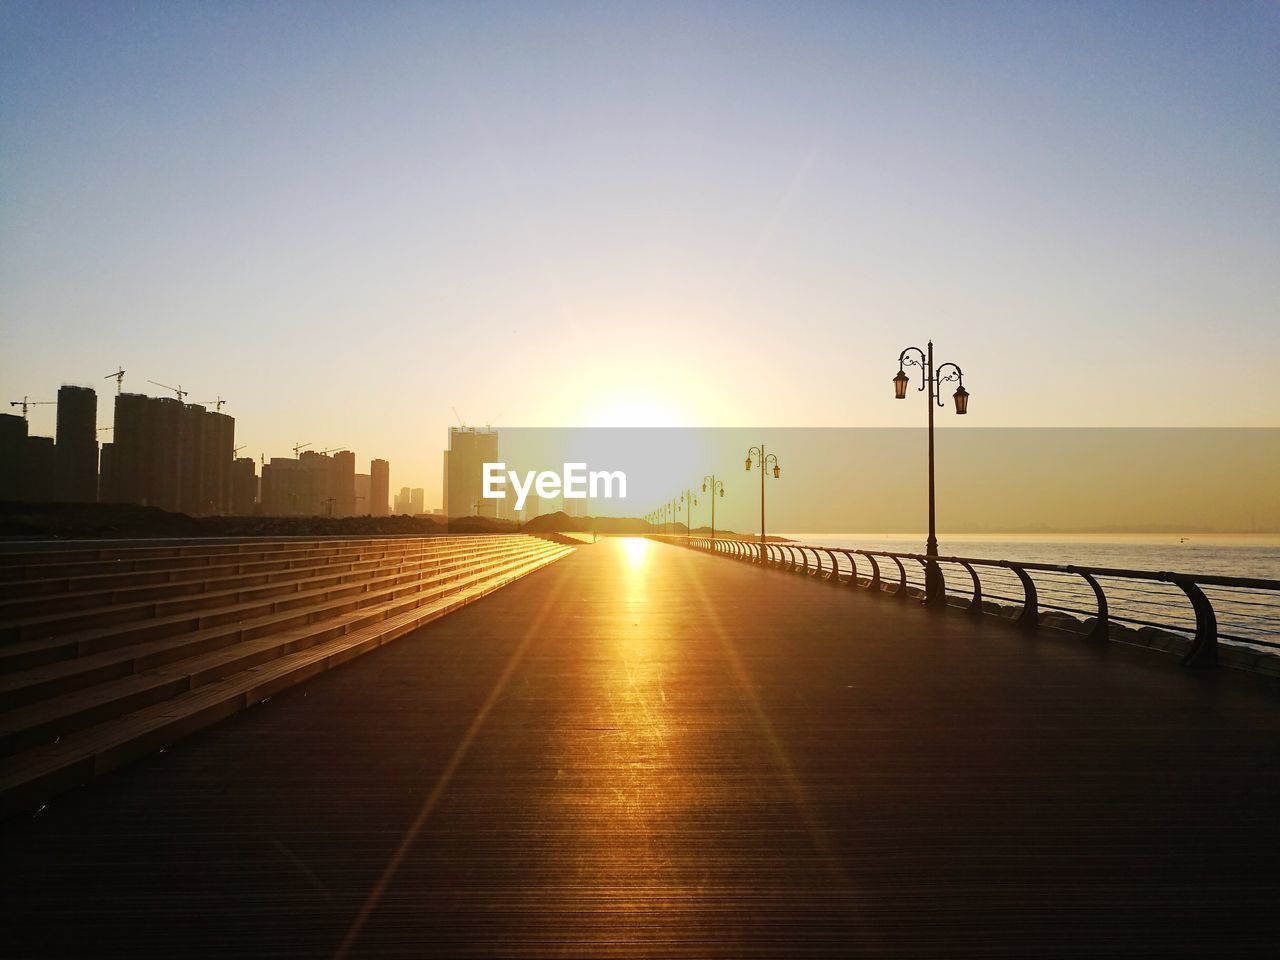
689,501
716,488
933,379
763,462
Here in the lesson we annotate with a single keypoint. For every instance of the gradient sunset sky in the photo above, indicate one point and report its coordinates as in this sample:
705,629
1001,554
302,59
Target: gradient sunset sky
347,218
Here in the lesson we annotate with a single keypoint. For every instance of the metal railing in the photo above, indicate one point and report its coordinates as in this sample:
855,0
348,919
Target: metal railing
1184,604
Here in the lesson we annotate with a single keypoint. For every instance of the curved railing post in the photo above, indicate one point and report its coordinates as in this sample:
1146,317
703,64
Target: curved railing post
853,568
1029,618
1102,624
902,579
835,567
1204,646
876,583
975,605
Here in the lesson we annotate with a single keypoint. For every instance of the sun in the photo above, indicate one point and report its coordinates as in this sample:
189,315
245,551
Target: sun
633,411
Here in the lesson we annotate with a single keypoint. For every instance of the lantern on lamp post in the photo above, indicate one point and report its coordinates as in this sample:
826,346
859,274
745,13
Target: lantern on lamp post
932,379
763,462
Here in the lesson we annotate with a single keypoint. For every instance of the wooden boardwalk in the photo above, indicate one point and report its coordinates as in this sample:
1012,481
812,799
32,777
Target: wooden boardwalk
648,751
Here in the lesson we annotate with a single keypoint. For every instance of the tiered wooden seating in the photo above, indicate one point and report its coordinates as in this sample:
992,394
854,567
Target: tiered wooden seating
110,654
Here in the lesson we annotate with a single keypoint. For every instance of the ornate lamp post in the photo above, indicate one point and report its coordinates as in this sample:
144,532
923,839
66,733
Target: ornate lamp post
932,378
763,462
690,501
716,489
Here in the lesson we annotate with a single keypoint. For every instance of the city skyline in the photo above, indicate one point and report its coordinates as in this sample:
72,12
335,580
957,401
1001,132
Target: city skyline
181,457
617,215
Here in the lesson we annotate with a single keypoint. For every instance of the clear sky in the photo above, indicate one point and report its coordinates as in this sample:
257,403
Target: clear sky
347,218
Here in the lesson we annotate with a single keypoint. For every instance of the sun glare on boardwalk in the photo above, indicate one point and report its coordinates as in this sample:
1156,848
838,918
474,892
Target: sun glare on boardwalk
637,551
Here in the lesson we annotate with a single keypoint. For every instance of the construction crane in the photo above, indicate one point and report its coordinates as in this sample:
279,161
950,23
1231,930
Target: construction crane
182,394
298,448
238,449
331,450
26,402
118,377
217,404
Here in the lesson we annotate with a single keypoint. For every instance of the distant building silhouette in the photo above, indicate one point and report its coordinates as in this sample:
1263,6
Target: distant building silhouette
172,455
244,487
412,502
76,451
343,484
13,440
26,462
316,484
469,449
106,473
362,495
282,487
379,488
37,466
218,436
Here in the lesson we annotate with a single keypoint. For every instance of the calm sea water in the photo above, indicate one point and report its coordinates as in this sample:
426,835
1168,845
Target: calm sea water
1243,615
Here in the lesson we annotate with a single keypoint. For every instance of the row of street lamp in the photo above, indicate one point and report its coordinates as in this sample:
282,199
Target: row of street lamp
932,379
687,500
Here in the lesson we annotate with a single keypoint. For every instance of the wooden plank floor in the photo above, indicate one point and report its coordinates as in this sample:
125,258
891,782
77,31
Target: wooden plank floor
644,750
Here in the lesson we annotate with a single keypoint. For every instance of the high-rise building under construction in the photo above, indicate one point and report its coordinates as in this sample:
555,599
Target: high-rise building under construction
379,488
169,454
75,454
469,449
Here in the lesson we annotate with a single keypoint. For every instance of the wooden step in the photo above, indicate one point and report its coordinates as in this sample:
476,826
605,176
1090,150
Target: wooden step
32,565
76,586
34,776
108,613
27,686
26,726
24,566
31,653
